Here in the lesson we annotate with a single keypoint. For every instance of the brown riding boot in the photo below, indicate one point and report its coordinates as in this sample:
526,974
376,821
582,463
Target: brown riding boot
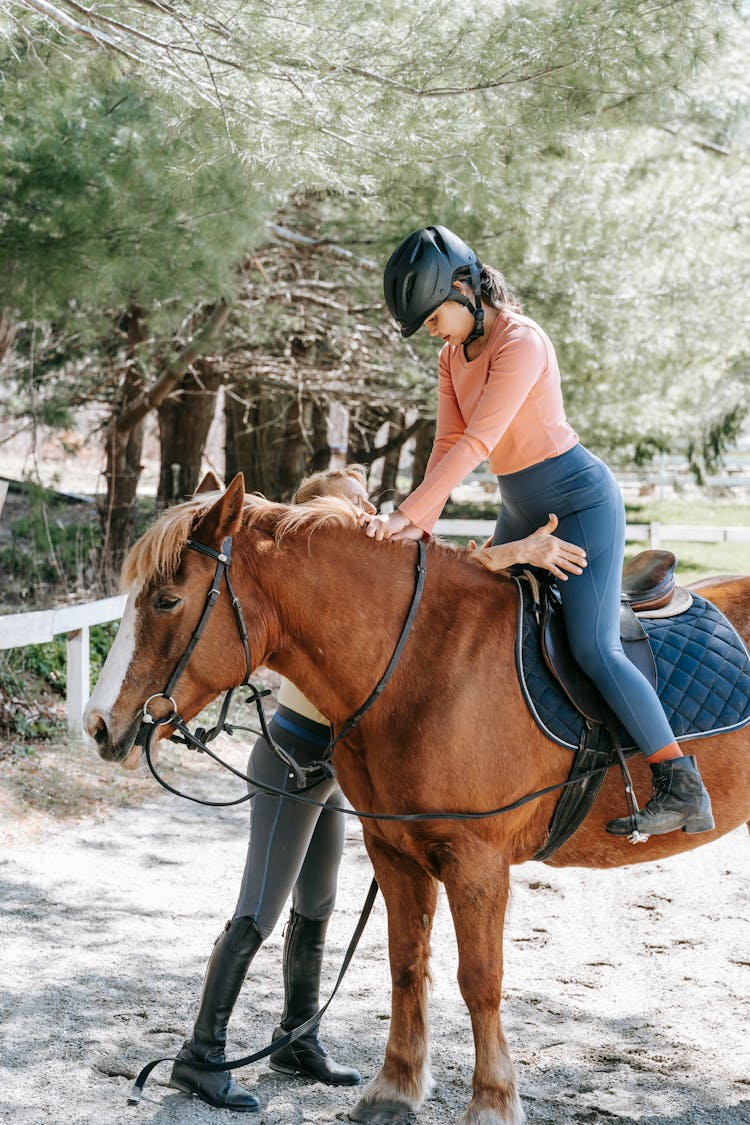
680,800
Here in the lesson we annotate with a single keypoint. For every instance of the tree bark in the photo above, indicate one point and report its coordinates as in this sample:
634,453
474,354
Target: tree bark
425,436
7,331
184,421
364,424
123,447
388,490
274,438
124,434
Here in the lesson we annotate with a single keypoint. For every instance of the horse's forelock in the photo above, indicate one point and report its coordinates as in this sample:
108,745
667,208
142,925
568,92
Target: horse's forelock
158,551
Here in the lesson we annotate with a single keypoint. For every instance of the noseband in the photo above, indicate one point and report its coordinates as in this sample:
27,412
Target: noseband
305,776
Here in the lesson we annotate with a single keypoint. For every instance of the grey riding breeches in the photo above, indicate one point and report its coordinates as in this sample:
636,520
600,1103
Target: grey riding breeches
293,847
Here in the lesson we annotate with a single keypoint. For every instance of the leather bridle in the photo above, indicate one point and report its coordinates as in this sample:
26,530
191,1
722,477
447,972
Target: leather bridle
307,776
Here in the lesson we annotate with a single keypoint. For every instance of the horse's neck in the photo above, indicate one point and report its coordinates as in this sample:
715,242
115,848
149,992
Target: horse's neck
341,615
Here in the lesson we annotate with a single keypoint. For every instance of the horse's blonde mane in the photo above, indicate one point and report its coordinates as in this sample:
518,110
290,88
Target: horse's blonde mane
157,553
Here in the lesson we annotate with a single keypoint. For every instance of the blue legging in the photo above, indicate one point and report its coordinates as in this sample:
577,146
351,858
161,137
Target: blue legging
293,848
583,494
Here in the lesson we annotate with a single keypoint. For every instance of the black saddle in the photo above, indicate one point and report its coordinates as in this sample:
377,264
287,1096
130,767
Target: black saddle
648,580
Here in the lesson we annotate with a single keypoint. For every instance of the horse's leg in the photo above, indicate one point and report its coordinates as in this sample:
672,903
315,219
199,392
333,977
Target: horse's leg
477,884
410,895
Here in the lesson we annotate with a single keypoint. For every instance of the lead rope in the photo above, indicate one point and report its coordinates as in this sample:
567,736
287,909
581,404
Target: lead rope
284,1040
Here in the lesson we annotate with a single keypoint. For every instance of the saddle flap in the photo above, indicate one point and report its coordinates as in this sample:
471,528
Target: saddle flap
560,661
579,689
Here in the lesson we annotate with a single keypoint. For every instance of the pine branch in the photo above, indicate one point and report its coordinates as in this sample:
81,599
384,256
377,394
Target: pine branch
287,235
448,91
707,146
56,15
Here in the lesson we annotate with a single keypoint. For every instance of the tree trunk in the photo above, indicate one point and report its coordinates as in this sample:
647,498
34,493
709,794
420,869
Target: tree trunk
273,438
388,490
123,448
184,421
124,434
364,424
422,448
321,450
7,331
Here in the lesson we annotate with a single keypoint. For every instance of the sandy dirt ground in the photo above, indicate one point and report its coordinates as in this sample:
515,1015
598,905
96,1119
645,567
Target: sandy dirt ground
627,993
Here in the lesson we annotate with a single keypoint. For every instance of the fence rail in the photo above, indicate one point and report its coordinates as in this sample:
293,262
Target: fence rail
20,629
74,621
652,533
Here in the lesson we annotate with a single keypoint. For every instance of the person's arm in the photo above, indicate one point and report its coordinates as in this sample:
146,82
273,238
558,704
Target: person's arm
542,548
450,425
513,373
449,429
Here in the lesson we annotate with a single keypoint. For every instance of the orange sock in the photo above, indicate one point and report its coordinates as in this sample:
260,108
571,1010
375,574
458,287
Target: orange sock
671,750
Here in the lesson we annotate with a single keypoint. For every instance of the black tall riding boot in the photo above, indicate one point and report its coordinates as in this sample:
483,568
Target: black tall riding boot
303,962
227,967
680,800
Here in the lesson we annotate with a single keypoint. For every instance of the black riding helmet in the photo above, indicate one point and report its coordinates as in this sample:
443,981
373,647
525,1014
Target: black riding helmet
419,276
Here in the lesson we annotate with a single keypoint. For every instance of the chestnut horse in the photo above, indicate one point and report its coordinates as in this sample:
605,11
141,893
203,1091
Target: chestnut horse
324,606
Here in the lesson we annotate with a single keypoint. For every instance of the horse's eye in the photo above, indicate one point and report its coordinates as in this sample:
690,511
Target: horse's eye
165,602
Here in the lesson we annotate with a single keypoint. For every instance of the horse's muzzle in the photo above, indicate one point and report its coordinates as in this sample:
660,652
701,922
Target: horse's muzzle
113,749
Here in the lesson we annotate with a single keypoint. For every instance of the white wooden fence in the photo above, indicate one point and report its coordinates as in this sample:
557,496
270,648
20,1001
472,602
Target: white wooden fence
652,533
20,629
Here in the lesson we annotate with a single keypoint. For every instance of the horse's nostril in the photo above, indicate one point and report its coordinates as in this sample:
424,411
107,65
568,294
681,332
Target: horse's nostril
97,728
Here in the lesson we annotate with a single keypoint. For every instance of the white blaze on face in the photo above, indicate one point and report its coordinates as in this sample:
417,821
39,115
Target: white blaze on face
112,677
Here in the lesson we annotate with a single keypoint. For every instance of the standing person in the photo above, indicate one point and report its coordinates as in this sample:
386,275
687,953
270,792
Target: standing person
293,848
499,396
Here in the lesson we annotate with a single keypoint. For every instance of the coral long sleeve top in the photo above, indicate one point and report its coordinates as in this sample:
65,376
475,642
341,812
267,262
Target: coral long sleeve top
505,405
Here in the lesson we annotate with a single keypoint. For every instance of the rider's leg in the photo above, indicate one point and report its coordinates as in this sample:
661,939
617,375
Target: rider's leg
234,950
591,605
581,491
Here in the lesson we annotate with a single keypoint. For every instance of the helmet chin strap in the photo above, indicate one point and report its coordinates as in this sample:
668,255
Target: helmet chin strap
475,308
476,311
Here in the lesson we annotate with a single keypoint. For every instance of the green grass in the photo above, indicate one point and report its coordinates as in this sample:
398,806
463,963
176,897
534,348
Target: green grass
32,685
700,560
701,513
695,560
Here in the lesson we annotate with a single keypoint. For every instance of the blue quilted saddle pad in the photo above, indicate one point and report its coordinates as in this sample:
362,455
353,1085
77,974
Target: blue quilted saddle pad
702,665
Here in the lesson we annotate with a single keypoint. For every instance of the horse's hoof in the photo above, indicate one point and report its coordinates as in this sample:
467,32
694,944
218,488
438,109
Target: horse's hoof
380,1113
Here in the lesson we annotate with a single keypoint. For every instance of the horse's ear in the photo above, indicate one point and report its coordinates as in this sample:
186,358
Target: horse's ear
223,518
210,483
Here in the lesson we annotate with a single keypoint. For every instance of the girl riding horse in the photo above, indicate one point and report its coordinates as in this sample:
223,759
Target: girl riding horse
499,396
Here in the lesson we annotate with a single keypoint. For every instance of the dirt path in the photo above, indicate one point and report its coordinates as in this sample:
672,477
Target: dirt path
627,993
